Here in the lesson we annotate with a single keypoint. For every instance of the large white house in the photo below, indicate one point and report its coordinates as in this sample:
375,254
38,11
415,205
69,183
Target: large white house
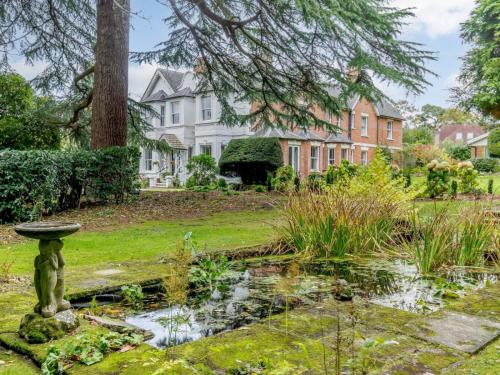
188,122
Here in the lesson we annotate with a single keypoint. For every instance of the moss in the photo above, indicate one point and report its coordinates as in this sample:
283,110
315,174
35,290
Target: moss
14,364
486,362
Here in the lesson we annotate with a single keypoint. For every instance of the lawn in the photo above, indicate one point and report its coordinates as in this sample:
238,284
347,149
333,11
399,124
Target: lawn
482,180
152,239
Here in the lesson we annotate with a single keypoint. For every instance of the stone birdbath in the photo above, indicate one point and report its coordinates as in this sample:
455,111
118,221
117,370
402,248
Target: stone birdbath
52,316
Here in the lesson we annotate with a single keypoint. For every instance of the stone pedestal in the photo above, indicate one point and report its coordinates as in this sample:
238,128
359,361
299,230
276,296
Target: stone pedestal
36,329
52,316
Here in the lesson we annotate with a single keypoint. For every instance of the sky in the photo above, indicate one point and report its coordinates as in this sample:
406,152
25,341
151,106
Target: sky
436,26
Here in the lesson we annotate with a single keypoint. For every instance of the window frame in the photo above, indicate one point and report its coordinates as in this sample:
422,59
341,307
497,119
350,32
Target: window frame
390,133
206,113
364,125
346,150
174,114
457,138
291,160
148,161
209,146
331,161
363,160
315,158
353,120
162,115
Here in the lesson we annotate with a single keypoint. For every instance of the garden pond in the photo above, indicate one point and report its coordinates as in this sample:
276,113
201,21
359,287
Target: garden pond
255,290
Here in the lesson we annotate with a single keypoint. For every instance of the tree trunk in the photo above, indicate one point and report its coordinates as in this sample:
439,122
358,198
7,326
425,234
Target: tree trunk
109,106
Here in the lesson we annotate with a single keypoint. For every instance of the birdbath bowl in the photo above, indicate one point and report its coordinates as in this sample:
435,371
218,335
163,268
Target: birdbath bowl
49,276
46,230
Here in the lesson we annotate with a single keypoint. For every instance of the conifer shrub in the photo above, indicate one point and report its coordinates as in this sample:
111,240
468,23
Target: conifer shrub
252,159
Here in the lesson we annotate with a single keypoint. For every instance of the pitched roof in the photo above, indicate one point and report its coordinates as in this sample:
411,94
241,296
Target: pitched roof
173,141
338,138
478,138
450,131
386,109
186,91
173,77
311,136
277,133
159,95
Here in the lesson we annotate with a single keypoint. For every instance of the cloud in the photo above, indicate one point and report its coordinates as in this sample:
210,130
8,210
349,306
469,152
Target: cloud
28,71
436,17
139,77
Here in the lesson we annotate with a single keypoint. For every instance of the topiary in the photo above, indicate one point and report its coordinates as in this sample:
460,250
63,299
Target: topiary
252,159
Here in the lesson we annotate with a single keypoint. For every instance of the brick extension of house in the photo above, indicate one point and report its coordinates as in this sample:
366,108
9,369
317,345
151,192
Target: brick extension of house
365,126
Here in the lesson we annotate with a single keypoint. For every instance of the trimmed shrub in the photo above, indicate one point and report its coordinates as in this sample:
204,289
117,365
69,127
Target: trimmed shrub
485,164
251,159
38,182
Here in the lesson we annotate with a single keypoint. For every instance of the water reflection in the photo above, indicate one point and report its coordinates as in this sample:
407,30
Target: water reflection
268,288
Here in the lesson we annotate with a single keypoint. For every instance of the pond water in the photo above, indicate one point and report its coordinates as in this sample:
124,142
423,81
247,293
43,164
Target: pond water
242,297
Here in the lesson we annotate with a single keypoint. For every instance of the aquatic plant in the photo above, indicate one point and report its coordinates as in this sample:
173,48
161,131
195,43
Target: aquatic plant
474,237
448,239
358,218
133,296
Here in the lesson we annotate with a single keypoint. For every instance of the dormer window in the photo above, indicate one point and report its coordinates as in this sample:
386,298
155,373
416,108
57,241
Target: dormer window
459,136
175,112
162,115
206,107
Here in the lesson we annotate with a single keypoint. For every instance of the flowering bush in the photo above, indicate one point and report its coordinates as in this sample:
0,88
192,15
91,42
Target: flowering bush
438,178
467,177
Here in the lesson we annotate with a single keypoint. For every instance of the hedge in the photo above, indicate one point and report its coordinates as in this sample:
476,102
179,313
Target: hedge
494,143
252,159
485,164
40,182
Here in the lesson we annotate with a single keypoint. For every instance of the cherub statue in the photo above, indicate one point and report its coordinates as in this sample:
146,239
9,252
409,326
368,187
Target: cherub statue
49,279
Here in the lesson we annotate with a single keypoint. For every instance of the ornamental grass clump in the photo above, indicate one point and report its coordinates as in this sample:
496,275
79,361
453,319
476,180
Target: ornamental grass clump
444,239
361,217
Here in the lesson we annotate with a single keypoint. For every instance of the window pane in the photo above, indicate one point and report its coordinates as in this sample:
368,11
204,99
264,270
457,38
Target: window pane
206,149
162,115
331,156
314,157
175,112
206,107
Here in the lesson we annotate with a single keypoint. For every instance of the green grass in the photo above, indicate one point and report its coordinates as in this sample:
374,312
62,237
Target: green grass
482,180
152,239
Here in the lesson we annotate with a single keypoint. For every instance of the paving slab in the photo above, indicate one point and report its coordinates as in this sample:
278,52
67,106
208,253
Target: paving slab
108,272
459,331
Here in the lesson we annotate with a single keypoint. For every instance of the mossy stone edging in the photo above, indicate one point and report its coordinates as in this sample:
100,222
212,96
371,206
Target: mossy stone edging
36,329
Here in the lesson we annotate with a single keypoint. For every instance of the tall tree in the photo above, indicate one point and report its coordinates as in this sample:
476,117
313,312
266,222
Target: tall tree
285,55
480,75
109,110
291,52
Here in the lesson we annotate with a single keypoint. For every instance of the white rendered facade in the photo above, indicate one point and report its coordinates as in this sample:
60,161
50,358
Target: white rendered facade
189,123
